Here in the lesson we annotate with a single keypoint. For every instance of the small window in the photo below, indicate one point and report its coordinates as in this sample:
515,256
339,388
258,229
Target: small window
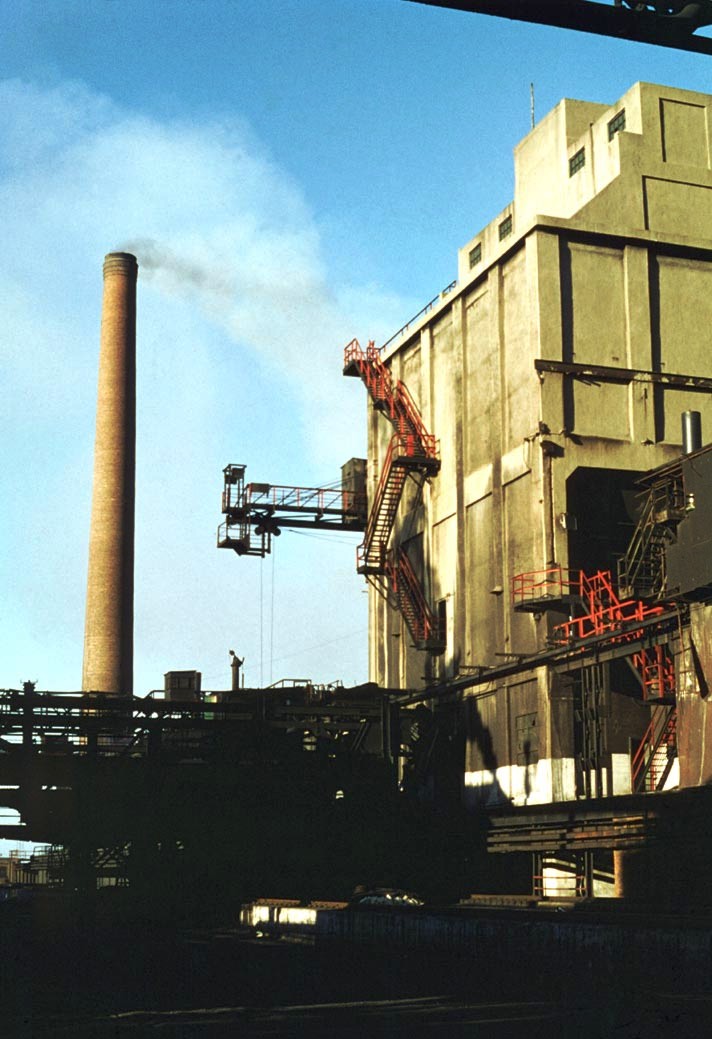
577,161
476,254
505,228
616,124
442,620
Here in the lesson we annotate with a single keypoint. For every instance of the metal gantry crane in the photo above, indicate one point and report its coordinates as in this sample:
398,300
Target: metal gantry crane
256,512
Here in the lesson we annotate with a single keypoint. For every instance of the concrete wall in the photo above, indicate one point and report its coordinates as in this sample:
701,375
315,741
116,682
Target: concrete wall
612,949
603,946
609,265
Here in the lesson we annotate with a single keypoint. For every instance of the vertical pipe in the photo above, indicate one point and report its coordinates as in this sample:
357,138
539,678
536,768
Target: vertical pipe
691,432
108,633
549,452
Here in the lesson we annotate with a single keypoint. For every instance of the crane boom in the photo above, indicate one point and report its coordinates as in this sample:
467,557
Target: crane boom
664,24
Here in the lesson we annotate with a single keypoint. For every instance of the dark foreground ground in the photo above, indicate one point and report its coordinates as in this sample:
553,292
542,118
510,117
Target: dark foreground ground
64,976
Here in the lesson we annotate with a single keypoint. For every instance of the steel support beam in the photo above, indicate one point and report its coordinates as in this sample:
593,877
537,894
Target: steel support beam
603,19
609,646
604,373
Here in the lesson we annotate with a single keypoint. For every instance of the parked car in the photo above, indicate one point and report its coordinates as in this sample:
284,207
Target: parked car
385,896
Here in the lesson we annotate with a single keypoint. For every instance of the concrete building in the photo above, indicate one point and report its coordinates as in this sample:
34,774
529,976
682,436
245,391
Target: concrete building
553,374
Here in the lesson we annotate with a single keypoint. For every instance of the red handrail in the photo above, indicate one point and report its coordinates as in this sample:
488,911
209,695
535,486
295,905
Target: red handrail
606,612
553,582
402,410
421,621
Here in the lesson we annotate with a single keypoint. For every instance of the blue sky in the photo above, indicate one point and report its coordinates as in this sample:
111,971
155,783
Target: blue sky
305,171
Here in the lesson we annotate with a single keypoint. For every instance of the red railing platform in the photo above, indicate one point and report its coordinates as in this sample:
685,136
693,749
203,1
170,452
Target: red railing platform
539,590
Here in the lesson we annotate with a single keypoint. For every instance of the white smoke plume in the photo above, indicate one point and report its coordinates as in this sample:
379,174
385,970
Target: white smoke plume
240,333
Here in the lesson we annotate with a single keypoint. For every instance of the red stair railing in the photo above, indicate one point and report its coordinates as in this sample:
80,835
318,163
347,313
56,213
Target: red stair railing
411,448
421,621
657,672
652,760
605,613
370,555
393,398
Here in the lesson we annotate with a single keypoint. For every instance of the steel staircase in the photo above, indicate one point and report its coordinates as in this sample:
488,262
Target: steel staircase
412,450
405,587
635,568
641,571
656,668
371,553
394,400
653,760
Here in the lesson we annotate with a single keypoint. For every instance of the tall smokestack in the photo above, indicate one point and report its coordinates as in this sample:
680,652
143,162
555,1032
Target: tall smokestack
108,632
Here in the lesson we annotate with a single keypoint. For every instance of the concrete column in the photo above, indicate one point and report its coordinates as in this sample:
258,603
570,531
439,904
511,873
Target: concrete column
108,634
458,603
619,874
635,875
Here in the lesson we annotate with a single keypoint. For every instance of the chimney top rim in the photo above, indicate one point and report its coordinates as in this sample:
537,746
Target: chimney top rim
120,261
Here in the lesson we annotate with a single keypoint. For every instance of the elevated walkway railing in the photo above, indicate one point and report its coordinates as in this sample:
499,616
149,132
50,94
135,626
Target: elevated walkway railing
555,584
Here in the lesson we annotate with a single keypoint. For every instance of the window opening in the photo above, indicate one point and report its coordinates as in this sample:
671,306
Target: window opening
442,619
616,124
577,161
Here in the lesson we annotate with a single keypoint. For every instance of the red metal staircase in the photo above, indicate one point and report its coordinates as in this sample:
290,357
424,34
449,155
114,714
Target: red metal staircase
411,450
423,624
371,553
656,667
393,399
656,752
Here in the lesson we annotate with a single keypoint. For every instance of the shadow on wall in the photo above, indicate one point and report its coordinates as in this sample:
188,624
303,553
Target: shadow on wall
434,756
528,762
482,788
